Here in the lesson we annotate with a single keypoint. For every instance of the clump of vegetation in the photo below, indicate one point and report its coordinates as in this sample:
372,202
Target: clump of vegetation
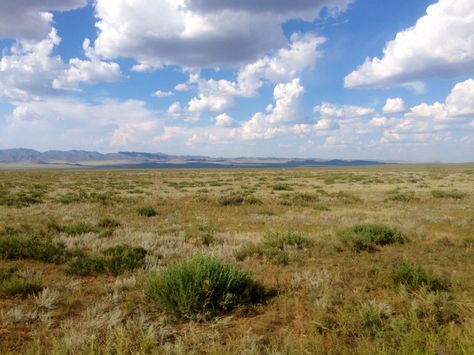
79,228
238,199
453,194
13,282
202,287
374,316
282,187
396,195
115,260
299,198
369,236
33,247
108,223
321,208
147,211
414,277
275,247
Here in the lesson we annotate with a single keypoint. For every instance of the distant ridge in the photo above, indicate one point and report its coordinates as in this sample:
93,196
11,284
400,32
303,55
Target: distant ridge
88,159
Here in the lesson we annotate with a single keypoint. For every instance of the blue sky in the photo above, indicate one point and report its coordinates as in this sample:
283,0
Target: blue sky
354,79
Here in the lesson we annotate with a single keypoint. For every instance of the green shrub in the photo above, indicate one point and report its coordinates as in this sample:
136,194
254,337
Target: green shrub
322,208
115,260
368,236
238,199
454,194
147,211
414,277
275,247
201,287
206,233
31,247
12,283
282,187
108,223
79,228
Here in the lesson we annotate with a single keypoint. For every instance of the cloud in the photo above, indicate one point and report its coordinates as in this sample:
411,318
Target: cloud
197,33
441,44
286,109
224,120
89,71
28,69
288,63
394,105
160,93
61,122
342,111
31,19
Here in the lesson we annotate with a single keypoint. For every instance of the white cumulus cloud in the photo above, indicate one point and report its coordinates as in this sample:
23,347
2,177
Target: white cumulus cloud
394,105
440,44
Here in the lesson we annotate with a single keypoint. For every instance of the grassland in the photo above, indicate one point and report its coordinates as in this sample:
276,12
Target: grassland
347,260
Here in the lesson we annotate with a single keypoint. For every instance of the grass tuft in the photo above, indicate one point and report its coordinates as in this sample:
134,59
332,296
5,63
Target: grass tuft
369,236
147,211
201,287
415,277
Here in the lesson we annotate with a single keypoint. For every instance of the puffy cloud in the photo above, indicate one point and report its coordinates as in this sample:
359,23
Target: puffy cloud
160,93
70,123
394,105
342,111
224,120
30,19
28,69
287,63
441,44
193,33
89,71
459,104
286,109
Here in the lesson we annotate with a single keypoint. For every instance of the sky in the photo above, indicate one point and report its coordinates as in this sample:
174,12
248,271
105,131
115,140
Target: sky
349,79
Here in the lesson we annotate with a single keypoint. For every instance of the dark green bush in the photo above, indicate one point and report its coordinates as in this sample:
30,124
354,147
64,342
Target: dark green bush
12,283
202,287
41,248
275,247
79,228
147,211
238,199
369,236
108,223
454,194
282,187
415,277
115,260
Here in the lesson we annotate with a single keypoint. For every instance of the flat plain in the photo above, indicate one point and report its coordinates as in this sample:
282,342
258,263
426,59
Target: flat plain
348,260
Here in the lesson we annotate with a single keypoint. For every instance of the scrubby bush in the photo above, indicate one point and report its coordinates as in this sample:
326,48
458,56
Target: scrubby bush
369,236
238,199
79,228
108,223
275,247
146,211
454,194
201,287
282,187
41,248
115,260
414,277
13,283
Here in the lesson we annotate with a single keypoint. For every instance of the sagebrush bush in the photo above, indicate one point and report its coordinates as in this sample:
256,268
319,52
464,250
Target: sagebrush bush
115,260
275,247
202,287
369,236
415,277
238,199
454,194
79,228
12,283
34,247
282,187
108,223
146,211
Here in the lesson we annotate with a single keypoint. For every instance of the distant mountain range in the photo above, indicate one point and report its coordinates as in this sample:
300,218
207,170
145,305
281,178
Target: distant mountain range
80,158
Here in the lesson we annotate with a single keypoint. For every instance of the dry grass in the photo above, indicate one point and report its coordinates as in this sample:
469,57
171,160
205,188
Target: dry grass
327,298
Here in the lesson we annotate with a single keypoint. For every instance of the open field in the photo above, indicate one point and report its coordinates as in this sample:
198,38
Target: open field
348,260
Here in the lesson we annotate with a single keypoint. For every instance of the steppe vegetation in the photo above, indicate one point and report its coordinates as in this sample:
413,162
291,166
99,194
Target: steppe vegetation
288,261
